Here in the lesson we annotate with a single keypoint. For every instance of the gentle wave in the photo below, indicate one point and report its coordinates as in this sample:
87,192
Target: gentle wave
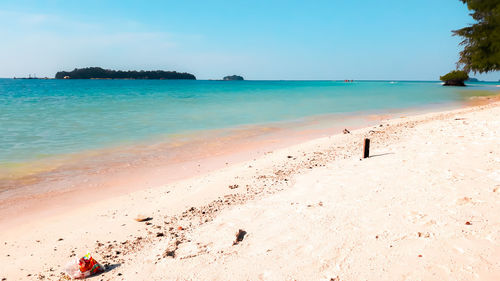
41,119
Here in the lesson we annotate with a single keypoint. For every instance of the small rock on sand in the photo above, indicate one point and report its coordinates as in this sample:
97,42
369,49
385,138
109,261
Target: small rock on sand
142,218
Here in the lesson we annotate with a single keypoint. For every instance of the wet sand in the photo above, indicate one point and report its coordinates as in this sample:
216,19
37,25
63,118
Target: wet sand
50,186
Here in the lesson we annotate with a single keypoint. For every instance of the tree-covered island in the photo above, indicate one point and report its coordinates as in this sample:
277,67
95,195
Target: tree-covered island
100,73
233,78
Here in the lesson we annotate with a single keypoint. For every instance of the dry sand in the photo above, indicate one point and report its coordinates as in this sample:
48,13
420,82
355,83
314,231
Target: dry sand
424,207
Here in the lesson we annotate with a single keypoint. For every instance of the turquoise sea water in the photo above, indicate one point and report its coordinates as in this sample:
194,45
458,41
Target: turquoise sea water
43,118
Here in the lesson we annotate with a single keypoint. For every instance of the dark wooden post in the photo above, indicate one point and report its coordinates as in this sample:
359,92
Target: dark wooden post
366,148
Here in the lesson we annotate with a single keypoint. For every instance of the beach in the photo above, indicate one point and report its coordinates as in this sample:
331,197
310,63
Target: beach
196,140
423,207
62,140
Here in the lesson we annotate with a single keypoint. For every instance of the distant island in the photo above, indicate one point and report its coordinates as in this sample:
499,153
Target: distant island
100,73
233,77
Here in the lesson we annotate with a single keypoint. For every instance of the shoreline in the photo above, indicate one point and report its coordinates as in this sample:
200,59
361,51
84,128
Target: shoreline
145,167
191,203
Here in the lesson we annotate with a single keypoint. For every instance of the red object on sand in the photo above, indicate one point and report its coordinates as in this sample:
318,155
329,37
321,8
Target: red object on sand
90,265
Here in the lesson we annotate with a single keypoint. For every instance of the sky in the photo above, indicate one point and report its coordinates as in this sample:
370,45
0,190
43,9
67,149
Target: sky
260,40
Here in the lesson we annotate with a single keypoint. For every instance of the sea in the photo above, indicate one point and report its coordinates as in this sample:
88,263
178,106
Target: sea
44,121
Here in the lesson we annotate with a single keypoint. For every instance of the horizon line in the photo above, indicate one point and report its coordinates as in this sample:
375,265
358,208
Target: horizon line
213,79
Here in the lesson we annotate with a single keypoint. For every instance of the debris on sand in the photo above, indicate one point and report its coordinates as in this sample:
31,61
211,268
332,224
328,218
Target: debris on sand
464,200
141,218
346,131
84,267
234,186
171,248
239,236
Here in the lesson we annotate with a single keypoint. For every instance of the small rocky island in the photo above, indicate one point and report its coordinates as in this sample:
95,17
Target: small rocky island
100,73
455,78
233,78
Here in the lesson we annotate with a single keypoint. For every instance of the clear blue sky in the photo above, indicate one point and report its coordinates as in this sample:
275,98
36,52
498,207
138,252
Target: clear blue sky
331,39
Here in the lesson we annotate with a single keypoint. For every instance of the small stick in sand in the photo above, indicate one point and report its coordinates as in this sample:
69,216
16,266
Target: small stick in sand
239,236
366,148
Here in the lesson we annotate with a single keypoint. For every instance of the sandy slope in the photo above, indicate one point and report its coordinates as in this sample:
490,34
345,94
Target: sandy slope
425,207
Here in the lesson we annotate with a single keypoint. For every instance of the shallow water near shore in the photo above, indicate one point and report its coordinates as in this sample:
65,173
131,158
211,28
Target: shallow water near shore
54,130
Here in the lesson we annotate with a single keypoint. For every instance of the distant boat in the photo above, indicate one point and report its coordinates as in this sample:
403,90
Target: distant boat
29,77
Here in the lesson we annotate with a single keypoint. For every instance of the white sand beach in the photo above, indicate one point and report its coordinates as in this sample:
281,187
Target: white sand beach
424,206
